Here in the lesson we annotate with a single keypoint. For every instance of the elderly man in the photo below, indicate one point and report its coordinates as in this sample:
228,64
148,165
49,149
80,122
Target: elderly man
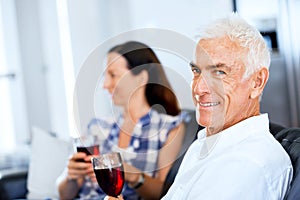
235,157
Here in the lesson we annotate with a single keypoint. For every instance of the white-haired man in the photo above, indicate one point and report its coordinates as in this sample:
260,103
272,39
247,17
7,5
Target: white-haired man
235,156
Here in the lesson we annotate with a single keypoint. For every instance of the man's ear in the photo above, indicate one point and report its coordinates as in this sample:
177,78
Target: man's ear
259,82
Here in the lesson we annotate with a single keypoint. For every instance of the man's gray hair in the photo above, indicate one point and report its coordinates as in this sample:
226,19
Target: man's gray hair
238,30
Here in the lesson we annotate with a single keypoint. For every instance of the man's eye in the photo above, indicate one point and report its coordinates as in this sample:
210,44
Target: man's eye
196,71
219,72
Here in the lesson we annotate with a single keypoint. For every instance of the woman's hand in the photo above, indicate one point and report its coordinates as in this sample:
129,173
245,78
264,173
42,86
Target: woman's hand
90,170
132,173
120,197
79,165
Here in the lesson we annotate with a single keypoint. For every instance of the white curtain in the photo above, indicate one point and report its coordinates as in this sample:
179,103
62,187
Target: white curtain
289,42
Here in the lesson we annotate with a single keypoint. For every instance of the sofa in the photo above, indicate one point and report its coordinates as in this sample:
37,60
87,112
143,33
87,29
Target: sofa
13,183
48,158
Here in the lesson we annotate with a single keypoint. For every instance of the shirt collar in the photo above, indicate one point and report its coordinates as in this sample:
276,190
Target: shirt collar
232,135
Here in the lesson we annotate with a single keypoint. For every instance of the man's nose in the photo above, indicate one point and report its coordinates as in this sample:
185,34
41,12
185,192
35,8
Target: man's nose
201,85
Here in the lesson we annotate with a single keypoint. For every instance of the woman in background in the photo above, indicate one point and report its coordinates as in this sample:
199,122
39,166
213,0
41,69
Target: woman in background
148,133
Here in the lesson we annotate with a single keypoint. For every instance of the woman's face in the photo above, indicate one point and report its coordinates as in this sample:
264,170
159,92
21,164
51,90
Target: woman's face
118,80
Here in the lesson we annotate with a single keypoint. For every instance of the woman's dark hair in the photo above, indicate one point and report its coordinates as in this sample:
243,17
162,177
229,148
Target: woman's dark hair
159,93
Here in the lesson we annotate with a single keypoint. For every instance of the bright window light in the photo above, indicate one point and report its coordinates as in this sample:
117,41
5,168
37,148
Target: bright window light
7,133
67,59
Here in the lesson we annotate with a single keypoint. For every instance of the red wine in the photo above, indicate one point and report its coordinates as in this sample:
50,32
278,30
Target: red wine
111,180
91,150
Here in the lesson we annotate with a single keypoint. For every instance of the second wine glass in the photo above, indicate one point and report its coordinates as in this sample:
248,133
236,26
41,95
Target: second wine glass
109,173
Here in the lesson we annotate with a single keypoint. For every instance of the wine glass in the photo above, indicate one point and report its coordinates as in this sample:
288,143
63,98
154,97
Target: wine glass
109,173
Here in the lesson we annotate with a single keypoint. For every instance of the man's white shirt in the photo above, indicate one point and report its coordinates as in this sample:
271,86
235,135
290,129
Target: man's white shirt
242,162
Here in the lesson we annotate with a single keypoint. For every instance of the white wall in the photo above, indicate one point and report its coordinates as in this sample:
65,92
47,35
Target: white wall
183,16
14,65
52,63
32,63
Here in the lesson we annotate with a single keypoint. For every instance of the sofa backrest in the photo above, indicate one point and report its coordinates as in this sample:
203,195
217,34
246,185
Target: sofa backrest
289,138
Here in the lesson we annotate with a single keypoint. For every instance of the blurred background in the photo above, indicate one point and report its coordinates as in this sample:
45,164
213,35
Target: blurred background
43,44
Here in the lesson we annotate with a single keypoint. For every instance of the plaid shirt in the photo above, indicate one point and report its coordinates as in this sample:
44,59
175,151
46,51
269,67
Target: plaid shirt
148,137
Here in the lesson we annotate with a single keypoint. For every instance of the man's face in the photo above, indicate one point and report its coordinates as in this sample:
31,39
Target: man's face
221,96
